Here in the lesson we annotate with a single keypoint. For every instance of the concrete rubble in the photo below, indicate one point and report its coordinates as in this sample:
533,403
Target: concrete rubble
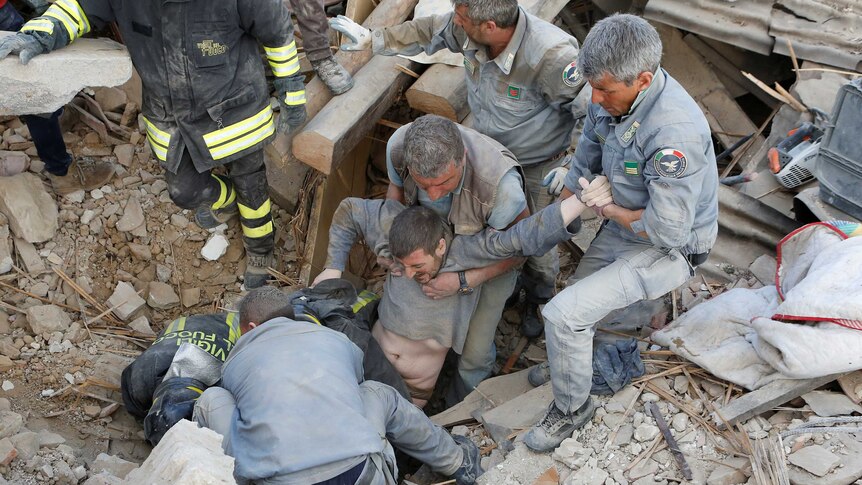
35,88
32,213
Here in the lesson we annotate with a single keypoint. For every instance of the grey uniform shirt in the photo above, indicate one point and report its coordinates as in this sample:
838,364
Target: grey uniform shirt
658,158
523,98
404,309
299,416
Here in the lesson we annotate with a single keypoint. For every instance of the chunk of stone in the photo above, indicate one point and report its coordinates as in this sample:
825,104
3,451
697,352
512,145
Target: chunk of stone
48,439
179,220
7,386
51,80
186,455
726,475
47,319
162,296
679,422
6,363
31,211
27,444
5,250
815,459
10,423
589,474
825,403
113,465
126,302
763,268
111,99
572,453
30,258
140,251
142,326
92,410
125,154
7,452
190,296
215,247
133,216
642,469
646,432
13,163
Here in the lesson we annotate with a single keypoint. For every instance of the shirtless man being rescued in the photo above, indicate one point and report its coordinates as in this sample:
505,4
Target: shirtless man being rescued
416,331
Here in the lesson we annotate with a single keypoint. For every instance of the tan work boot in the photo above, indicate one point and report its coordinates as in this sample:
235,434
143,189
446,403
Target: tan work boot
84,174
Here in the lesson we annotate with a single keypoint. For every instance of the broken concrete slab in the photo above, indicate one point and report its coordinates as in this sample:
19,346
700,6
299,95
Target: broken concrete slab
186,455
814,459
10,423
825,403
31,211
520,466
520,413
133,216
51,80
162,296
589,474
849,468
126,302
30,258
499,390
763,268
47,319
112,465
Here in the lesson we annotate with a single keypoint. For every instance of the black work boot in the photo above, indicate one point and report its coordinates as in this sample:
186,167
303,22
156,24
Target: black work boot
557,425
256,274
531,323
336,78
208,218
471,467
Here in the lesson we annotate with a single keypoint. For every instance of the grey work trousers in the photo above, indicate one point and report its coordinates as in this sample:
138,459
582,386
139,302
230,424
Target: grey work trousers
613,274
540,272
397,420
314,26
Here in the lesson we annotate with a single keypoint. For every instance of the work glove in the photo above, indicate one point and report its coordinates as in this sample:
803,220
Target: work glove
596,193
360,37
292,115
555,181
25,45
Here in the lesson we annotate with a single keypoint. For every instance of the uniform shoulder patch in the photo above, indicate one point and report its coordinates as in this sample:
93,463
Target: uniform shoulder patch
571,75
670,162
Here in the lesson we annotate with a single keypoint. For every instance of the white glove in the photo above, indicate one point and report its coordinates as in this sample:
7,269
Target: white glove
597,193
326,274
555,181
359,36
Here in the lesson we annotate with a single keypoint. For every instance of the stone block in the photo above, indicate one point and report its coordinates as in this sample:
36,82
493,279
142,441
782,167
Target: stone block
47,319
162,296
126,302
5,250
30,258
111,99
133,216
31,211
815,459
13,163
51,80
826,404
48,439
112,465
187,455
27,444
7,452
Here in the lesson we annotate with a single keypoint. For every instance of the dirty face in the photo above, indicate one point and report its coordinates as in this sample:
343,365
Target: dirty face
421,266
616,97
475,31
443,184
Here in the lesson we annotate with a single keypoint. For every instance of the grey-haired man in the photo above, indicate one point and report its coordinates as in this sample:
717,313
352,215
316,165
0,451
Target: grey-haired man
522,83
649,137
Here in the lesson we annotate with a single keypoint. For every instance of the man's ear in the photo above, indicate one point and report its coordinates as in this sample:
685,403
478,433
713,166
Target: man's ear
644,80
441,248
490,27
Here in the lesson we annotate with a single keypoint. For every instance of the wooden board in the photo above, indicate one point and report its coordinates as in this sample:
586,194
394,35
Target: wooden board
519,413
349,180
491,392
767,397
348,118
359,10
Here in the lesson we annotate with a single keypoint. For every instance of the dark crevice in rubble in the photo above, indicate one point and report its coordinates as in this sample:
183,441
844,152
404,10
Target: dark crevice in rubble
787,10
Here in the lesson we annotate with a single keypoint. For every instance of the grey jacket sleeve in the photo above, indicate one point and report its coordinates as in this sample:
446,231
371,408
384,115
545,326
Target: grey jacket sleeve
426,34
355,218
532,236
588,155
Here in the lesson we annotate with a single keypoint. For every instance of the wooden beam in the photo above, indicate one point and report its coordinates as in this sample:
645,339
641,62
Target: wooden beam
359,10
442,90
345,120
387,13
767,397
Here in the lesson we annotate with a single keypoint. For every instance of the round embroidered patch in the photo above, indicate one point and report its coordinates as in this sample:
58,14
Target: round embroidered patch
571,75
669,163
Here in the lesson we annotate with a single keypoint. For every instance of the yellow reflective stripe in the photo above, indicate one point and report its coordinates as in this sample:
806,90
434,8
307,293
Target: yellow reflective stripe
226,194
159,151
39,25
233,326
163,137
365,297
247,141
256,232
294,98
172,326
75,10
193,388
249,213
283,69
282,53
181,325
238,128
71,27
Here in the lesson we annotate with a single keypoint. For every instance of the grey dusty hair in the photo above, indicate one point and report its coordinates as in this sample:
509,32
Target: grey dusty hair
431,144
622,46
264,303
504,13
417,227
